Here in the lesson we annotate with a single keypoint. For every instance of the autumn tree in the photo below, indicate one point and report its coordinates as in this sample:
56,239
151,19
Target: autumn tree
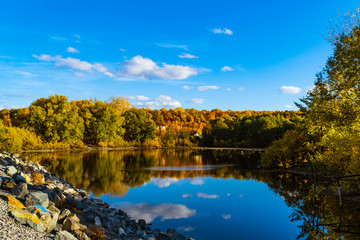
139,125
55,119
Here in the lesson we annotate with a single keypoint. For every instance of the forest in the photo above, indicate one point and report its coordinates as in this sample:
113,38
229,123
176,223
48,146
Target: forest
57,123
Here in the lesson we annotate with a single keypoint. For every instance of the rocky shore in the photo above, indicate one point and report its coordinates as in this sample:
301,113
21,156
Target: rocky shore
35,204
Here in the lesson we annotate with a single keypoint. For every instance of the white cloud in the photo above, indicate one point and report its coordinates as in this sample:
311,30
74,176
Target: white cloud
187,55
168,45
226,216
204,195
228,89
163,182
142,98
18,95
58,38
289,90
25,74
9,107
74,64
241,195
158,102
204,88
226,69
185,229
164,210
228,195
145,68
187,87
186,195
77,36
197,181
197,100
121,49
241,89
222,31
288,106
79,74
72,50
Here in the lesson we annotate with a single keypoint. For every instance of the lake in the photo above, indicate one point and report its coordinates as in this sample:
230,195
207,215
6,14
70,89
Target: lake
210,194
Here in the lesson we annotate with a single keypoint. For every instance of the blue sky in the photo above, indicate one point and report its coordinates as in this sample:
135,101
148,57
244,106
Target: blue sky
239,55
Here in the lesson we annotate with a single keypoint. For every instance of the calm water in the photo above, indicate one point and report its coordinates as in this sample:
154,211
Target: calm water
208,195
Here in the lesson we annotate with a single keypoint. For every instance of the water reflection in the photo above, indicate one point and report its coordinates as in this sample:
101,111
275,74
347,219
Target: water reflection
169,186
164,211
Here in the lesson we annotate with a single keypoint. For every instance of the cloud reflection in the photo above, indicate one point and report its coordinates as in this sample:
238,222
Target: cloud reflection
197,181
186,195
185,229
204,195
163,182
226,216
164,210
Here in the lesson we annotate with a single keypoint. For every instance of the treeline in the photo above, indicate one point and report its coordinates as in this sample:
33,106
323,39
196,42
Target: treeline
328,139
57,123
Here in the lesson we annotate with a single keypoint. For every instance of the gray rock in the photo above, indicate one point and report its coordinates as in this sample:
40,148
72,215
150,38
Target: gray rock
97,221
64,235
142,223
141,233
175,235
10,170
18,178
64,213
121,231
163,236
81,235
38,197
24,217
70,225
20,190
7,183
73,217
150,237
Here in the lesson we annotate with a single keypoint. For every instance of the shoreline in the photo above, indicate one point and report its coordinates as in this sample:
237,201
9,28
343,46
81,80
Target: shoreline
55,209
94,149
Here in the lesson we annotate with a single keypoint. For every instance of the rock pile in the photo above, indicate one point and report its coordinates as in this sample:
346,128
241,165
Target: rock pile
53,206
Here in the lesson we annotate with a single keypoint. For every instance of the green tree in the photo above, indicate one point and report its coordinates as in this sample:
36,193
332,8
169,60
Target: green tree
139,125
55,119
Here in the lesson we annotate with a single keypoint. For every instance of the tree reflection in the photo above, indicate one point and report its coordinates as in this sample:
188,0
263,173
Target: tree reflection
314,200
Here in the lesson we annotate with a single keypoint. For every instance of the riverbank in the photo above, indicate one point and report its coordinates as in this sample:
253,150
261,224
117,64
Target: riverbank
36,204
90,149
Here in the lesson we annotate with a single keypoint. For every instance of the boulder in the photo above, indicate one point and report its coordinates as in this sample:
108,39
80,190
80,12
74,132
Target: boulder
64,213
11,170
37,197
97,221
175,235
24,217
14,202
38,178
7,183
142,223
49,219
81,235
18,178
64,235
73,217
20,190
121,231
71,226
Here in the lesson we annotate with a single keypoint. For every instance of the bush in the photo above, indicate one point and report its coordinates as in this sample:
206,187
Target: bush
14,139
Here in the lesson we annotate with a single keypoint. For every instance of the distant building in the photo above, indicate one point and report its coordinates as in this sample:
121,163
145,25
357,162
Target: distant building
161,127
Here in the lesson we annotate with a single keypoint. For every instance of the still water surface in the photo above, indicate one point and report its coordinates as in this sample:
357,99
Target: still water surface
203,194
